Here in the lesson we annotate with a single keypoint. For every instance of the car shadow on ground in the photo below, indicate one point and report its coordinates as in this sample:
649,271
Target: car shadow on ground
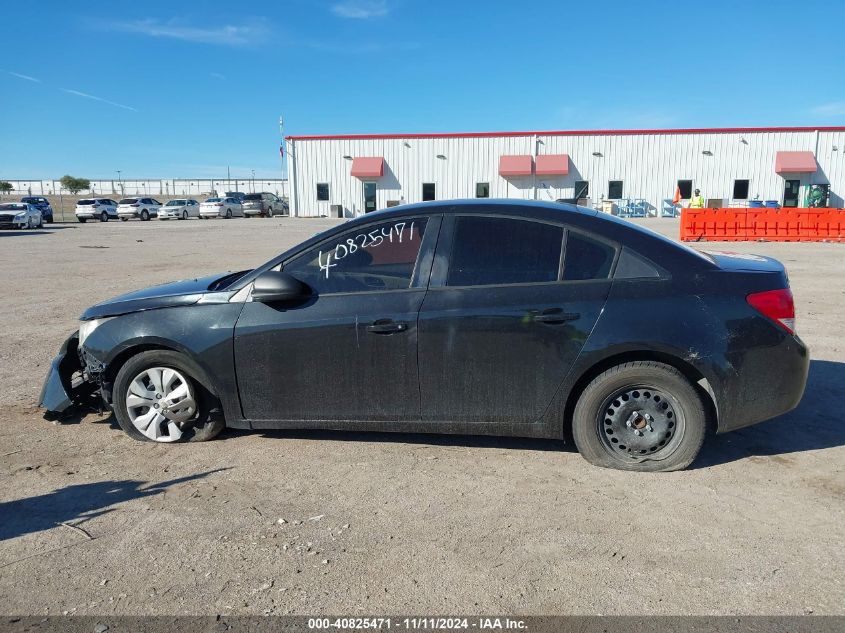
22,233
816,423
78,503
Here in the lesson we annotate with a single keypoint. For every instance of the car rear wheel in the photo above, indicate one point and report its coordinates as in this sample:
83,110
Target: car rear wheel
641,416
124,219
184,215
157,399
228,214
104,217
82,220
269,212
145,215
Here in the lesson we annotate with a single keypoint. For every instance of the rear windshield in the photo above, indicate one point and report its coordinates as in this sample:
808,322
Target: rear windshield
10,206
213,200
128,201
252,196
31,200
86,202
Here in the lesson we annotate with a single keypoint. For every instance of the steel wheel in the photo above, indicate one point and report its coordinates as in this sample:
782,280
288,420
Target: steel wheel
640,422
160,401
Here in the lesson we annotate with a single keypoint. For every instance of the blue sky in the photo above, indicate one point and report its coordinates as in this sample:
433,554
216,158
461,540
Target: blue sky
180,89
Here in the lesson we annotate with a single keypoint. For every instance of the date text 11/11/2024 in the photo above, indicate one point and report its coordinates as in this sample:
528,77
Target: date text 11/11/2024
418,623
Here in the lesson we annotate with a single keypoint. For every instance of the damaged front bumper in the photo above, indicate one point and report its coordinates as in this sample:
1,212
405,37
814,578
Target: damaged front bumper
66,384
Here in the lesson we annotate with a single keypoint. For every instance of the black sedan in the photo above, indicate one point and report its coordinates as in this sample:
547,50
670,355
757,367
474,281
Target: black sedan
480,317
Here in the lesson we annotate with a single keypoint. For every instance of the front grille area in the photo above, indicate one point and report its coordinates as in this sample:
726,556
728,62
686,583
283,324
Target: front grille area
7,218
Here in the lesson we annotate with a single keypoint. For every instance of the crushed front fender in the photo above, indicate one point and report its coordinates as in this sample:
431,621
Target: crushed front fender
60,391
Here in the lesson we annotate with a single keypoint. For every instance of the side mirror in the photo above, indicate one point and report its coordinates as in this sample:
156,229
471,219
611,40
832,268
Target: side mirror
277,286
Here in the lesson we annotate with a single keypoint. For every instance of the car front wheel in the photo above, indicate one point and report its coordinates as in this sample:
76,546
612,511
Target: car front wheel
641,416
157,399
104,217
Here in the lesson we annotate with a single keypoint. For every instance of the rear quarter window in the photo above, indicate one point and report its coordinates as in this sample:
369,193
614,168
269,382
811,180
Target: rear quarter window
587,258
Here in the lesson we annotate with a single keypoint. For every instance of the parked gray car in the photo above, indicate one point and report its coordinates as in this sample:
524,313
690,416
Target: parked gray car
264,204
20,215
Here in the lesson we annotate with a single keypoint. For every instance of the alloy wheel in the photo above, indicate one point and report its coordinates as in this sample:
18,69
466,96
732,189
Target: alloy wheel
160,402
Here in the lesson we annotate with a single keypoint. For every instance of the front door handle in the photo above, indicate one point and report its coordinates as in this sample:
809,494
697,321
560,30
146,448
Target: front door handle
554,316
386,326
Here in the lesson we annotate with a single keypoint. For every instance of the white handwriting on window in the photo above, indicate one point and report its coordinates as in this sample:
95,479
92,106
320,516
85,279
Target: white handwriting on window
373,239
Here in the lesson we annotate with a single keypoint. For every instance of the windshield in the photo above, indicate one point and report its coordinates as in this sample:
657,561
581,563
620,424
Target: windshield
129,201
176,203
213,200
252,196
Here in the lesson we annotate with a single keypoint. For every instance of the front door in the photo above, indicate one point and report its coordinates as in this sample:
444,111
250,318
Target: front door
349,351
500,326
791,191
369,197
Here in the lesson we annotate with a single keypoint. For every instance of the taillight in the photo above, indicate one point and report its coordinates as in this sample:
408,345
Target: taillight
135,205
778,305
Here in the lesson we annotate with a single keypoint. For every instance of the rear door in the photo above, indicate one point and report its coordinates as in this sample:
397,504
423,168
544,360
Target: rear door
506,315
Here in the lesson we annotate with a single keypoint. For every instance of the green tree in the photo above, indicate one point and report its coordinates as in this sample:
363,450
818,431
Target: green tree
5,187
75,185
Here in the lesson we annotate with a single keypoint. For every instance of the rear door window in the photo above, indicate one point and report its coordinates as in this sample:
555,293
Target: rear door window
496,251
371,258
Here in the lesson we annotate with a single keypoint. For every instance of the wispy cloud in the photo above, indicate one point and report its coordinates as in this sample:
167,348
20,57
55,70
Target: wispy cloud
224,35
362,47
217,75
27,77
834,109
85,95
361,9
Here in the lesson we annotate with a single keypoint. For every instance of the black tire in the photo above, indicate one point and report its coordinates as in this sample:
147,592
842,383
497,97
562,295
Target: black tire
104,217
82,220
228,214
208,422
124,219
269,212
145,215
610,410
184,215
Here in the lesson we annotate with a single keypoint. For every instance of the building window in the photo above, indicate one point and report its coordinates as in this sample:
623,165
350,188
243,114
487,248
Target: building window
428,191
482,190
741,189
685,187
614,190
582,189
323,191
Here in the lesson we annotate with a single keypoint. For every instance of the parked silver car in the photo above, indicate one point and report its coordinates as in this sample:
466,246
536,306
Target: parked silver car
20,215
264,204
180,209
143,208
221,208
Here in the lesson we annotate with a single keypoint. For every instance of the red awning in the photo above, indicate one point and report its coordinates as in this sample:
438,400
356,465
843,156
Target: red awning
368,167
795,162
552,165
516,165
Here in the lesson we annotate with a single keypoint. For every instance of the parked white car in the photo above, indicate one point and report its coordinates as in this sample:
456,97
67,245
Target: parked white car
181,209
102,209
264,204
20,215
221,208
143,208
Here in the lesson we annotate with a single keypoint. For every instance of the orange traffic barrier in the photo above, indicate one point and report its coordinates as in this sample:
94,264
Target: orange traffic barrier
763,224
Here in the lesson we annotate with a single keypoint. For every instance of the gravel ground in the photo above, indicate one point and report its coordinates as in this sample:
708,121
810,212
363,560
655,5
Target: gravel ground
92,522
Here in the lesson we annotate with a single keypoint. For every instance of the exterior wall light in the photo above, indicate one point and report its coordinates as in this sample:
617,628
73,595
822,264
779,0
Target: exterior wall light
598,154
441,157
707,152
348,157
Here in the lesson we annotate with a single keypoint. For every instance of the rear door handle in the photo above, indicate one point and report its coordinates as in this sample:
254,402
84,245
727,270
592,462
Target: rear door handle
555,316
386,326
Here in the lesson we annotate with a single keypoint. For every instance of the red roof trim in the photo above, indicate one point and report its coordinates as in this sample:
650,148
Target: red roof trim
699,130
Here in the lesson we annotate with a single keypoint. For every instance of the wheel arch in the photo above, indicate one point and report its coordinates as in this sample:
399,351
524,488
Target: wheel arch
122,357
697,379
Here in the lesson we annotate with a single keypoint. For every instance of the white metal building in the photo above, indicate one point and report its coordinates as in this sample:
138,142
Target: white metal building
351,174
